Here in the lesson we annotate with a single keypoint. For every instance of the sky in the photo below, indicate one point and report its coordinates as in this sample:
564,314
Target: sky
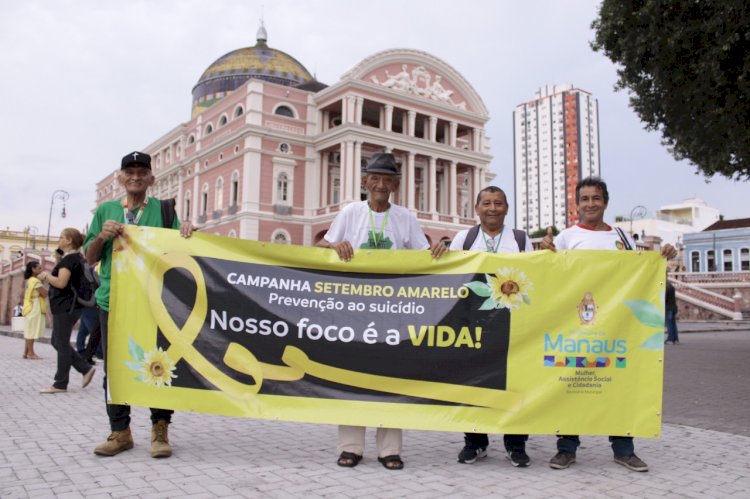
85,82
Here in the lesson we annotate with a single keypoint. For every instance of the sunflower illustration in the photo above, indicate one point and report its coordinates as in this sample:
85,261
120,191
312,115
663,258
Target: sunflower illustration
157,368
508,288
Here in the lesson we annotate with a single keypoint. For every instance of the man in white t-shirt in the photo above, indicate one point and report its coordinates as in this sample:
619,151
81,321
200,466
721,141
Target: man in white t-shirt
592,233
375,224
494,236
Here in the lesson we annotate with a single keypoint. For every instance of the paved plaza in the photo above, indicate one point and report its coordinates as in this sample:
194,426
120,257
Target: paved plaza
46,444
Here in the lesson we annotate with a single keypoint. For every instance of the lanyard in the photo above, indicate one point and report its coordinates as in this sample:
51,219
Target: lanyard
130,217
490,248
382,226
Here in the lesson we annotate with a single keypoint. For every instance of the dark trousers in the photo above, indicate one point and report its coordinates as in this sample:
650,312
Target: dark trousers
514,443
671,322
119,415
621,446
62,328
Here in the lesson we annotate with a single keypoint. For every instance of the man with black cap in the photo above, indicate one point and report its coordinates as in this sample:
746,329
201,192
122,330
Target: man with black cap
108,223
375,224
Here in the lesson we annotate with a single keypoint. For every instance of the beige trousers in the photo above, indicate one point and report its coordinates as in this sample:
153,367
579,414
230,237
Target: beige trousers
387,440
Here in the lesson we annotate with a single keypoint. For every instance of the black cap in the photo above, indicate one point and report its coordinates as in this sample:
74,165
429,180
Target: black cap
136,158
383,162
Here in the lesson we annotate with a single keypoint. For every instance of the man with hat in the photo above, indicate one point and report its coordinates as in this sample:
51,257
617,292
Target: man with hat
108,223
375,224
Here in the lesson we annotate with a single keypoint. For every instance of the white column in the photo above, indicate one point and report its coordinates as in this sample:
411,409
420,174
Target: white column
351,108
411,185
388,117
358,105
452,188
343,174
357,170
412,117
475,139
432,186
433,129
325,119
324,179
344,110
349,166
454,130
475,187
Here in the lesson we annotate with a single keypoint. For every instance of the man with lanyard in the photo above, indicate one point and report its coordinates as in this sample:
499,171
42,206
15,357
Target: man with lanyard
108,223
493,236
592,233
375,224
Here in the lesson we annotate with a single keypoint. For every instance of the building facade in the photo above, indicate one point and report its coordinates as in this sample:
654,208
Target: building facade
722,247
270,154
556,143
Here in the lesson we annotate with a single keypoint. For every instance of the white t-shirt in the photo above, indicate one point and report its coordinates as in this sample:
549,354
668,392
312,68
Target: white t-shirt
401,230
507,244
577,237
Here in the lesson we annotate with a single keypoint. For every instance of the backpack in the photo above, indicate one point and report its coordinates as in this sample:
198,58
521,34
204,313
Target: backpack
87,286
474,232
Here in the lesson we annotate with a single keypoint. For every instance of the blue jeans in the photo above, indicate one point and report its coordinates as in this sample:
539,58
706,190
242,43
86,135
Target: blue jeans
88,324
671,321
621,446
119,415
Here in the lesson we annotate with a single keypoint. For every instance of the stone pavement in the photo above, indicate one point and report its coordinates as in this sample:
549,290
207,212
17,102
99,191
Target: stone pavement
46,444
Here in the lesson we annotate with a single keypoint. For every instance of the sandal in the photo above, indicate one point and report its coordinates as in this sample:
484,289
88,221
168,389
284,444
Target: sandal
392,462
348,459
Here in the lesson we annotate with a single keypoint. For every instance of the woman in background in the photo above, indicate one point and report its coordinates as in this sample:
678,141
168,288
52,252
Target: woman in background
34,309
64,280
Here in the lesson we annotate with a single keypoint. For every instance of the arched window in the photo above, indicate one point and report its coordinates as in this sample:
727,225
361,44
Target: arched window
726,258
711,261
744,259
191,139
186,215
234,193
219,196
280,236
223,120
284,111
282,188
239,111
209,129
232,233
204,200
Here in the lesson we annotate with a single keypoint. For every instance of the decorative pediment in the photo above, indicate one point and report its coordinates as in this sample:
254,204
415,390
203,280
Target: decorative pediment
419,74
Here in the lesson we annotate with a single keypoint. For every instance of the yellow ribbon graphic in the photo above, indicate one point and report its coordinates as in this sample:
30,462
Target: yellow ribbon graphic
297,362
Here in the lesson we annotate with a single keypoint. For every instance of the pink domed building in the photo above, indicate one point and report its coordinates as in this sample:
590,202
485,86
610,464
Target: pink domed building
271,154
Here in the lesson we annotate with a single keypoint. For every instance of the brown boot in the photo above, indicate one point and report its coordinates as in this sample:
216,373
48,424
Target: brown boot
160,440
117,442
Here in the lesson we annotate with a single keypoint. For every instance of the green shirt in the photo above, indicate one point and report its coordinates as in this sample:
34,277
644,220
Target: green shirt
113,210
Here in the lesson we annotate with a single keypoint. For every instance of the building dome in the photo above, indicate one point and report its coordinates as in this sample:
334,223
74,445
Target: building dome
232,70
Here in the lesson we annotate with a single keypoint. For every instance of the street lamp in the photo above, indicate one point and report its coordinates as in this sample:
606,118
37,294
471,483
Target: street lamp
639,212
63,196
30,230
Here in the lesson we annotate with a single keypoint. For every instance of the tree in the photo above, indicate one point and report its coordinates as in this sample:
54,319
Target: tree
686,66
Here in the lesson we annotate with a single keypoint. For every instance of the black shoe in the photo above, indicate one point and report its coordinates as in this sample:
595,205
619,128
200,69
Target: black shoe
519,459
469,455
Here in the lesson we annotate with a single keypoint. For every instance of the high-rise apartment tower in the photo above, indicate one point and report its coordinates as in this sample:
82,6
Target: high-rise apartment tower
555,144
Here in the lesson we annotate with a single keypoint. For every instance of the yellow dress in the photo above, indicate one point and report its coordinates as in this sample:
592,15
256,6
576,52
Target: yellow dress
34,321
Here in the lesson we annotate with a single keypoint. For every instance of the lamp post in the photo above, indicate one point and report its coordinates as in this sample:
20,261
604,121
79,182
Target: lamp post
640,212
63,196
30,230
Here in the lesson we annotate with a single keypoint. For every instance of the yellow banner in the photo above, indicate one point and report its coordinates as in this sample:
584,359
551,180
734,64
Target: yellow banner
545,343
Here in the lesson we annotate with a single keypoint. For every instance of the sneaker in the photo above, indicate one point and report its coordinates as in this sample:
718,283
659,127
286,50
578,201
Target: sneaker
117,442
519,459
160,440
562,460
470,455
633,462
